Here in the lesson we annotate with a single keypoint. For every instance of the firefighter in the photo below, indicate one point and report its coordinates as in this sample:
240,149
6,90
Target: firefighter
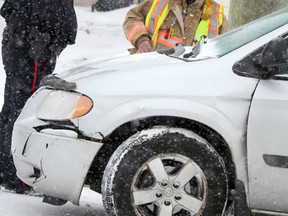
161,24
36,33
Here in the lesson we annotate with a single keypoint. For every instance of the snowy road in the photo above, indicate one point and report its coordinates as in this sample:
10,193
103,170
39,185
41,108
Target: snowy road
24,205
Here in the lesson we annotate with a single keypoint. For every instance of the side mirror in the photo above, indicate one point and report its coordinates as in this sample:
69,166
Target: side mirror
273,55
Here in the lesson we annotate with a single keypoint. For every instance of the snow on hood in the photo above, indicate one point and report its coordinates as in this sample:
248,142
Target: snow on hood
118,64
134,73
155,74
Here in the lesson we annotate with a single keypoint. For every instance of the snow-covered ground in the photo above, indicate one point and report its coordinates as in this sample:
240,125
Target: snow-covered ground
24,205
99,36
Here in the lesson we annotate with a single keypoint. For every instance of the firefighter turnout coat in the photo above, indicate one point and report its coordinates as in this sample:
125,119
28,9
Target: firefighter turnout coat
167,22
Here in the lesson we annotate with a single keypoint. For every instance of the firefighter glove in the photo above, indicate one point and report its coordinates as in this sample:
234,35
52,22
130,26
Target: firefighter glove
144,46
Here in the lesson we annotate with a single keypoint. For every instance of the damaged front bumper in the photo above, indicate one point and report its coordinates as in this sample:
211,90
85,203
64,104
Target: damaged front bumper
53,164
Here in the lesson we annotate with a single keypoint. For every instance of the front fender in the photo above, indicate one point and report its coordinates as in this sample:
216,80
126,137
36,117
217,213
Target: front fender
225,116
229,124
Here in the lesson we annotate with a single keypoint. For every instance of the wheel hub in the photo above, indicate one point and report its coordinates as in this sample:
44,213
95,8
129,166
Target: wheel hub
168,192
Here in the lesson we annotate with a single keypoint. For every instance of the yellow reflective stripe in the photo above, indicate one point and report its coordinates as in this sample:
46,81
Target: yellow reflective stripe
220,13
154,14
202,29
210,27
159,23
148,19
155,18
138,26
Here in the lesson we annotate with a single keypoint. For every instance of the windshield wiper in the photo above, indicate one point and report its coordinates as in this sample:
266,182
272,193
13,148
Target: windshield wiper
196,49
179,49
174,52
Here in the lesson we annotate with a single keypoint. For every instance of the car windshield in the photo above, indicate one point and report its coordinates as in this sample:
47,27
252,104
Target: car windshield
244,34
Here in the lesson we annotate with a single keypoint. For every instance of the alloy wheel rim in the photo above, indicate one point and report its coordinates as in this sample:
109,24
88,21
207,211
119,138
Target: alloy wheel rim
169,184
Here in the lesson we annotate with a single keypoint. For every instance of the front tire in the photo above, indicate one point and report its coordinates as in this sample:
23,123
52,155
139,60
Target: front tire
165,171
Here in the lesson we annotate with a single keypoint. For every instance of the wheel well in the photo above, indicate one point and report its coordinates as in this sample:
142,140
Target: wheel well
126,130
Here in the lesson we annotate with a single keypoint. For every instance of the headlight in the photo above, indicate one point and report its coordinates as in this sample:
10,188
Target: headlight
62,105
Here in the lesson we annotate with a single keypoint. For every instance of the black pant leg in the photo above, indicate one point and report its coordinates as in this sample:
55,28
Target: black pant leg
19,76
19,89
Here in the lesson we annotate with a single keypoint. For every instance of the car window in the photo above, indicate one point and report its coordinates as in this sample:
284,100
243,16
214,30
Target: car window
238,37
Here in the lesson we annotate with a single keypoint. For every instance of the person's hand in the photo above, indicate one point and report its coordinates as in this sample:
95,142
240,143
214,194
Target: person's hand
144,46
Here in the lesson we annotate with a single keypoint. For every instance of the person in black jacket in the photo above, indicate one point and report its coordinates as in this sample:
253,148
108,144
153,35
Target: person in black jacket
36,33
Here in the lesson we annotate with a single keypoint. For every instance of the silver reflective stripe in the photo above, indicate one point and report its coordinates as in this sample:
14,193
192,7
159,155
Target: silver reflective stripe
214,21
173,42
155,14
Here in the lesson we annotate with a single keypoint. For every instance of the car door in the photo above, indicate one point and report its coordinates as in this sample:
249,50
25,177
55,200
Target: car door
267,142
